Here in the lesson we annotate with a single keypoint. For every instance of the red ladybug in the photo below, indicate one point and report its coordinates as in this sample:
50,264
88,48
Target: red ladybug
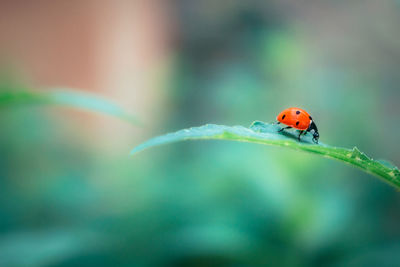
299,119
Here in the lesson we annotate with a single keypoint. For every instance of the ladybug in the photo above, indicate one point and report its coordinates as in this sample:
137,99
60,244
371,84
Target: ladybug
299,119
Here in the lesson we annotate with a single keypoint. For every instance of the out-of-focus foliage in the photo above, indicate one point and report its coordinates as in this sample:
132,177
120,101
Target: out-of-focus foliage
65,200
65,97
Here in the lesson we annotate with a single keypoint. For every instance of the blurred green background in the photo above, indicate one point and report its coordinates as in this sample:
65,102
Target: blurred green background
71,196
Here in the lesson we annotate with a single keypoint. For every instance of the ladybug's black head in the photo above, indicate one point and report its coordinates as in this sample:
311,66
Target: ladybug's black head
315,134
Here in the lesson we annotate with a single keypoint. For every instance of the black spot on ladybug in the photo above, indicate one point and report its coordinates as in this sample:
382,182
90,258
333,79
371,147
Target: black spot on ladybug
310,117
283,117
297,112
297,123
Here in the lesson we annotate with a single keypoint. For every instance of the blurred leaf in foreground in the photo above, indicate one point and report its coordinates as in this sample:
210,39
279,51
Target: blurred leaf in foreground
44,248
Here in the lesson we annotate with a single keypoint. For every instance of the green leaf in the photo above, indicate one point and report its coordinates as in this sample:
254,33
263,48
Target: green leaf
65,97
267,134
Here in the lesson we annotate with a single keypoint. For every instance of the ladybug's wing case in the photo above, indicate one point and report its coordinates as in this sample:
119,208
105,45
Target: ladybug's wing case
295,117
304,121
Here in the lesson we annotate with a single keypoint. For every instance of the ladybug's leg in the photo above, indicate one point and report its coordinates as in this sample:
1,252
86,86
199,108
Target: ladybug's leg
301,132
284,129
